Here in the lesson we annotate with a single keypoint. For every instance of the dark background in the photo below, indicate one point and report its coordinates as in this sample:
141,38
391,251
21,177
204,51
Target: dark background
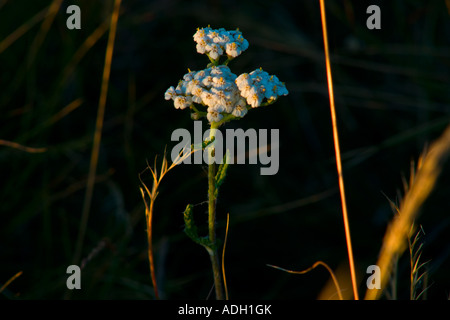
392,96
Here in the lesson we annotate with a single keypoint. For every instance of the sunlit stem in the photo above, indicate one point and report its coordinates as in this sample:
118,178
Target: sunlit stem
229,58
214,62
212,216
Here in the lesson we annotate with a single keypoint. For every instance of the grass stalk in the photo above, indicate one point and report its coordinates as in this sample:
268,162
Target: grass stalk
394,242
417,274
315,265
157,178
97,133
149,218
19,32
14,277
20,147
223,258
338,152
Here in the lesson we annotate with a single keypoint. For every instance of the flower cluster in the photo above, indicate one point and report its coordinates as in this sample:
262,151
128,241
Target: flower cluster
214,87
215,42
218,89
257,85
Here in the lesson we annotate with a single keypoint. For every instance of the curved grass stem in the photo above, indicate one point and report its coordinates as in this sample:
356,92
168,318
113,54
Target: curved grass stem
316,264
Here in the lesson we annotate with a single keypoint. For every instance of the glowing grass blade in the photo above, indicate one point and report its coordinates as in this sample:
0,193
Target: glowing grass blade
165,168
394,242
337,151
14,277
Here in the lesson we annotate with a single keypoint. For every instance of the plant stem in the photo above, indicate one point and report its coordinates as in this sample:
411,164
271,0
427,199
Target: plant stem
212,217
150,243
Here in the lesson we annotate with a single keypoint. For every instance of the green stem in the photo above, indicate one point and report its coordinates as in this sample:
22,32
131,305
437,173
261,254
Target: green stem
214,62
212,218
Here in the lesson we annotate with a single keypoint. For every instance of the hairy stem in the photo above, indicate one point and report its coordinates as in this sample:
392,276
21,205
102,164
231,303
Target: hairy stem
212,218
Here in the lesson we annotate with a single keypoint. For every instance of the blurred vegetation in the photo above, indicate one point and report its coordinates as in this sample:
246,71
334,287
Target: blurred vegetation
393,98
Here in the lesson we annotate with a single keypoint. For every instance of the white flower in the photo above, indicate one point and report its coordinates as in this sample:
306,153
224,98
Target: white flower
181,87
189,76
219,106
208,98
207,81
221,38
215,50
216,42
170,93
214,116
200,34
201,46
222,83
242,80
232,49
229,107
218,70
258,85
247,90
201,74
255,100
181,102
197,94
240,109
237,45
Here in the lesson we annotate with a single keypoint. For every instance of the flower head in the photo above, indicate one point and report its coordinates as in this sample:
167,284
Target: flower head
217,90
214,87
216,42
259,85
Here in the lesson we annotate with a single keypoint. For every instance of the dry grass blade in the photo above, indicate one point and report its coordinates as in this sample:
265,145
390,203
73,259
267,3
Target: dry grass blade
64,112
14,277
18,146
98,131
395,239
75,104
165,168
39,39
9,40
223,258
318,263
84,48
417,273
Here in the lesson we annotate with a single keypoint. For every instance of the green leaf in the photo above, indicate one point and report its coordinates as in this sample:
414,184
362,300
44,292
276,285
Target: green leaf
191,229
222,171
189,226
